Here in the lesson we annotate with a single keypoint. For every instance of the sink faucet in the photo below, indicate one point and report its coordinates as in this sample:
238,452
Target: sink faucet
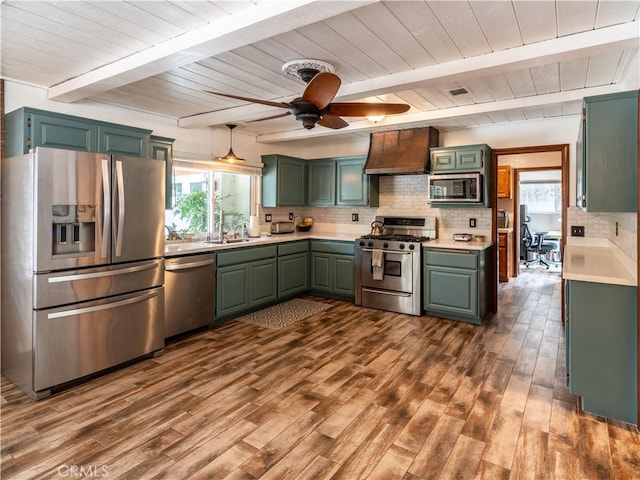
173,235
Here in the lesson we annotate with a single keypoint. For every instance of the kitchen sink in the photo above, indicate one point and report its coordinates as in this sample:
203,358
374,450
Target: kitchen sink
228,240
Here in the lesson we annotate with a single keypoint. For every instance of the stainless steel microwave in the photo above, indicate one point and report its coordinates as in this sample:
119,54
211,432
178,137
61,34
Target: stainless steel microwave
455,187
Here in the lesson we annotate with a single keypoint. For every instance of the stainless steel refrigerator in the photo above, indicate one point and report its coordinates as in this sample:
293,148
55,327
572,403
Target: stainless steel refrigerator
82,265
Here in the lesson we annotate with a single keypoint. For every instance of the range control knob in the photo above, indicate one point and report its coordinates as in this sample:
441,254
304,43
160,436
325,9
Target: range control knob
402,246
385,245
370,244
362,243
411,247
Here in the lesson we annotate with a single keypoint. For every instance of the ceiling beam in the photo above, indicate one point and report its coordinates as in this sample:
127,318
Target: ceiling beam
623,36
257,22
432,117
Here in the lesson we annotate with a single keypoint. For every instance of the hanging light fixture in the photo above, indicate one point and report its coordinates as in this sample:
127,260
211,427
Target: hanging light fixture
231,157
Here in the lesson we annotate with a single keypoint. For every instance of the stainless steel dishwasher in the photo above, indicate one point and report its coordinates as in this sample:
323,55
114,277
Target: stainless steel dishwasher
189,286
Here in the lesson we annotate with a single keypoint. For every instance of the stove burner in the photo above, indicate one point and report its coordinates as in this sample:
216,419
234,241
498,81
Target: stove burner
396,237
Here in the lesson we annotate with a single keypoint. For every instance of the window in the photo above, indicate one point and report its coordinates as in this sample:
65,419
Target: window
542,197
200,194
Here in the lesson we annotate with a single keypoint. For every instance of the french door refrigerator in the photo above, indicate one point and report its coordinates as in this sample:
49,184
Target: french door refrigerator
82,265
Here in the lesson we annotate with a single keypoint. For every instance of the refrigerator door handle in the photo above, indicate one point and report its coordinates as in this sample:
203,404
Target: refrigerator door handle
105,306
121,206
106,214
109,273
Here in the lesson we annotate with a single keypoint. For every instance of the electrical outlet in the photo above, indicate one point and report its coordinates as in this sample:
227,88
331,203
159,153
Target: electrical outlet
472,223
577,230
355,217
290,215
267,217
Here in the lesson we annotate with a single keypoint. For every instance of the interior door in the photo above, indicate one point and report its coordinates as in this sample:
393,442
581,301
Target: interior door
138,209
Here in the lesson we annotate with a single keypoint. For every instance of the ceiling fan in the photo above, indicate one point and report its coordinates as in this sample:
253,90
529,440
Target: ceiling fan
315,105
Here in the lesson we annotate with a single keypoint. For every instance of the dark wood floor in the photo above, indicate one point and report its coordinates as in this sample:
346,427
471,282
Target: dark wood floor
350,393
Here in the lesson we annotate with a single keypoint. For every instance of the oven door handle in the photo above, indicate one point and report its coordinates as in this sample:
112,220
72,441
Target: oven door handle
385,292
391,252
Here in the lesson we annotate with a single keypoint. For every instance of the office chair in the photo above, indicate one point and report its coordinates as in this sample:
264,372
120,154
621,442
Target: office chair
536,245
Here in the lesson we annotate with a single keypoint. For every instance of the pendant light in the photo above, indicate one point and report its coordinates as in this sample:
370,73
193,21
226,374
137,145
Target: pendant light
231,157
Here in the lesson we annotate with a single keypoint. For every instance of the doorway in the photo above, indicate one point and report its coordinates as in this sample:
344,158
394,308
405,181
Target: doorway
501,155
538,228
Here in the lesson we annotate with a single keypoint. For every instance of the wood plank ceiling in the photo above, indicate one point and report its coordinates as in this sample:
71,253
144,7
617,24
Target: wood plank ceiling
518,60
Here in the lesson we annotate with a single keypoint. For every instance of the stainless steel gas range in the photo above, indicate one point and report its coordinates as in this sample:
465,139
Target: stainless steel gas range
388,265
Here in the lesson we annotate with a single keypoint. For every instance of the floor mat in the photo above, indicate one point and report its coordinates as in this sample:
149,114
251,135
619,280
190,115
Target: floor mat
283,314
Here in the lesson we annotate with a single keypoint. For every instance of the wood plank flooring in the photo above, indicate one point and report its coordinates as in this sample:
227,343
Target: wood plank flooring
349,393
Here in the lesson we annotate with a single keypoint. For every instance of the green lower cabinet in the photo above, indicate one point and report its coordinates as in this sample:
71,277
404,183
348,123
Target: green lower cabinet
452,290
293,274
246,279
602,348
232,290
321,272
332,268
264,282
455,284
343,275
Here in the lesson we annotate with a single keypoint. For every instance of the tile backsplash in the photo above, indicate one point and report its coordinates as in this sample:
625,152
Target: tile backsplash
603,225
402,195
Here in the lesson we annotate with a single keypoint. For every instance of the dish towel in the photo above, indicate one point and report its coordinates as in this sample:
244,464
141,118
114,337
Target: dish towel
377,264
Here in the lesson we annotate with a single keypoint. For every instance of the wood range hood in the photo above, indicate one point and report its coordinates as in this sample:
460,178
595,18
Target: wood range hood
401,152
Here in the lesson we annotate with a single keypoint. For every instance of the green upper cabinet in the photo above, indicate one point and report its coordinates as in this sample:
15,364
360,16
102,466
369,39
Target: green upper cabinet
29,128
322,182
468,158
284,181
161,148
353,187
607,154
120,140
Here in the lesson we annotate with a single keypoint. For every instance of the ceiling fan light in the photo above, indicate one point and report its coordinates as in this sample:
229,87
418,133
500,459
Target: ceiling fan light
231,157
375,118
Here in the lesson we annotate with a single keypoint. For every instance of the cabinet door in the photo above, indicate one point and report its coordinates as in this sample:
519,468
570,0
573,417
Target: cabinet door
291,182
469,159
504,181
452,290
322,182
263,282
232,290
162,149
352,182
503,257
603,349
611,153
443,160
293,274
321,272
60,132
123,140
343,275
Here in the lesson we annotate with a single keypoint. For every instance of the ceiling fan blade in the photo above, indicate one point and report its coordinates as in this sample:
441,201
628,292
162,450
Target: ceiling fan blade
322,89
362,109
269,118
253,100
330,121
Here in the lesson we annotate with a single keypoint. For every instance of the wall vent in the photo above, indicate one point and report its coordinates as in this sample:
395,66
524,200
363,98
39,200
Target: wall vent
458,91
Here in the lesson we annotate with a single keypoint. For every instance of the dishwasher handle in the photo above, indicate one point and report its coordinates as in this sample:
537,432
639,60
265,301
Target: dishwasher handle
184,266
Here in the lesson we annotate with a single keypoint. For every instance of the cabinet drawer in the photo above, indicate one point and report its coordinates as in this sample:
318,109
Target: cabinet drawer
344,248
244,255
293,247
451,259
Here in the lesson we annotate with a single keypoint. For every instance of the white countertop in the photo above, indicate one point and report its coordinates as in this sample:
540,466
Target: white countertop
600,262
451,243
190,247
173,249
